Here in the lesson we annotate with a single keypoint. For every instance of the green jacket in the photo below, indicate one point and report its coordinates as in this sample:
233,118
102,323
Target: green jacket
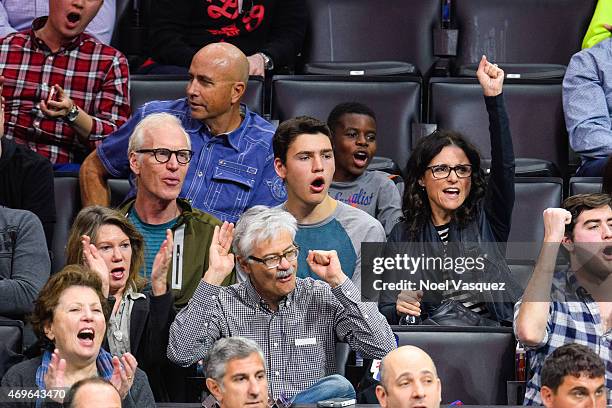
596,31
198,232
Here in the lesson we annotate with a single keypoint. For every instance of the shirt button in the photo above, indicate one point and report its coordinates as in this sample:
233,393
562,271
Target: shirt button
276,373
366,316
200,174
348,292
214,296
275,345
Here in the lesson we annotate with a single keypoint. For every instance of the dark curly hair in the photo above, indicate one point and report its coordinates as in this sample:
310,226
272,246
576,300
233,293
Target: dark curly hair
571,359
415,204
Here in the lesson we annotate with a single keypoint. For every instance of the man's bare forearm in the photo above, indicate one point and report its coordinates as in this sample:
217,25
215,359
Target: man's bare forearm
92,179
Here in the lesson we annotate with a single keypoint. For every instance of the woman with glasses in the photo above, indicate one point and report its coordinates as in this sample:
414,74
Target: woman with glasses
450,210
108,243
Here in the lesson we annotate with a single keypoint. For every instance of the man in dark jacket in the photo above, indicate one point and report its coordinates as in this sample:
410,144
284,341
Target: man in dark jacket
269,32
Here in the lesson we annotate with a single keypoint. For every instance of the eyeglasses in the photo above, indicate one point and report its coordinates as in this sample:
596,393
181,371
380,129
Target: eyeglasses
273,261
183,156
442,171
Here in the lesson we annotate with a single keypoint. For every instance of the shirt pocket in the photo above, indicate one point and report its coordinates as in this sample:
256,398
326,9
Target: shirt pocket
232,186
306,363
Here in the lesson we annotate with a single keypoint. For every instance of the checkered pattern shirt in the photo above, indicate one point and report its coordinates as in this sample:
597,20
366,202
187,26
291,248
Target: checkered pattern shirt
298,340
95,76
573,318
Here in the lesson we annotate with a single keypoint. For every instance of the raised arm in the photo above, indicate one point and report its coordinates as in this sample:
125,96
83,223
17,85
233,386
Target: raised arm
499,198
201,322
534,309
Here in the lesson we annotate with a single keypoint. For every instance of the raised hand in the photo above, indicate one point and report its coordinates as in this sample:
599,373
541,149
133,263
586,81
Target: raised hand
54,378
161,264
95,262
555,220
327,266
491,77
220,260
124,370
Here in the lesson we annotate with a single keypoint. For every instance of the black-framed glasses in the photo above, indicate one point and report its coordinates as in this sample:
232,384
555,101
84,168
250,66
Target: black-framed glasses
273,261
183,156
442,171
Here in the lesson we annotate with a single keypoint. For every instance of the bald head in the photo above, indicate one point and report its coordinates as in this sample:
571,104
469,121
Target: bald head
226,56
405,358
408,378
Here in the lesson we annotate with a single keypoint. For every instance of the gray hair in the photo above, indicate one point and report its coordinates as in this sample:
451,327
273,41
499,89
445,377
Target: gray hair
261,223
154,121
226,349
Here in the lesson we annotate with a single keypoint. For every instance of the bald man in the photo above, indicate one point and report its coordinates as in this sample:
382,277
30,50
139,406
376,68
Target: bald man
408,378
93,392
232,165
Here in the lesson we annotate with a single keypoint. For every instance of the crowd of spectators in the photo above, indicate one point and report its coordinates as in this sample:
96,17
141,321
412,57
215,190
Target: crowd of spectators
242,248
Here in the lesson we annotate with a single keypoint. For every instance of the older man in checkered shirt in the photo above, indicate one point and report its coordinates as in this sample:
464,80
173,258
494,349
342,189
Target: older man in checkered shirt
296,322
64,89
573,305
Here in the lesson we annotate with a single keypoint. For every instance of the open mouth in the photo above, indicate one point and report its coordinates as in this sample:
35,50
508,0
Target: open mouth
360,158
317,185
608,250
74,17
452,191
87,335
117,273
284,276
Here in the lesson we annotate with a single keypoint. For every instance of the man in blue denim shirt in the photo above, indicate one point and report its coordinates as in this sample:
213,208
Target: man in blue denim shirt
587,104
232,168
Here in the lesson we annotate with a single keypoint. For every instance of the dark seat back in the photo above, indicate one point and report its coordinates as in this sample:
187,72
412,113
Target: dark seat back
532,196
146,88
584,185
119,189
67,205
395,100
521,31
366,30
473,363
535,110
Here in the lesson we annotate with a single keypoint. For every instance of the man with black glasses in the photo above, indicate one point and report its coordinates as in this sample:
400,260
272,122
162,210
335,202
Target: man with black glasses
159,153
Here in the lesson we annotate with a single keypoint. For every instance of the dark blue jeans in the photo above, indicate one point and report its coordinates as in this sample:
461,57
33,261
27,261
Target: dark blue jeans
592,167
332,386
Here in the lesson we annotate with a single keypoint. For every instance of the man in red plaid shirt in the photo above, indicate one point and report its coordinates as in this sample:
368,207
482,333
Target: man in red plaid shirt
64,90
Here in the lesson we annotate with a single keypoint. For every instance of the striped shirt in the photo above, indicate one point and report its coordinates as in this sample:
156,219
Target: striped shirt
95,76
466,298
298,340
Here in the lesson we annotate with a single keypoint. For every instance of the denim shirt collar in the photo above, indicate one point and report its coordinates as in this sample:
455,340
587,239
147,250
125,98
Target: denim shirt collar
235,135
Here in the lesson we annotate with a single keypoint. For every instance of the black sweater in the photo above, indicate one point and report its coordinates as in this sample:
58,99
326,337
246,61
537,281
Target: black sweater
26,183
181,27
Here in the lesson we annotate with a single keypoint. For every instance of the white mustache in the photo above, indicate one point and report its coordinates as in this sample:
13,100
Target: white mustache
284,274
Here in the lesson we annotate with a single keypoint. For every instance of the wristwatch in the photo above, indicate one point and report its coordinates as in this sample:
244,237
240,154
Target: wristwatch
268,63
72,114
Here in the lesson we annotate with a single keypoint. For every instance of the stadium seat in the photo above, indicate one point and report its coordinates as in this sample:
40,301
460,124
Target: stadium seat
145,88
536,120
367,31
395,100
584,185
474,363
119,188
67,205
521,31
532,196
